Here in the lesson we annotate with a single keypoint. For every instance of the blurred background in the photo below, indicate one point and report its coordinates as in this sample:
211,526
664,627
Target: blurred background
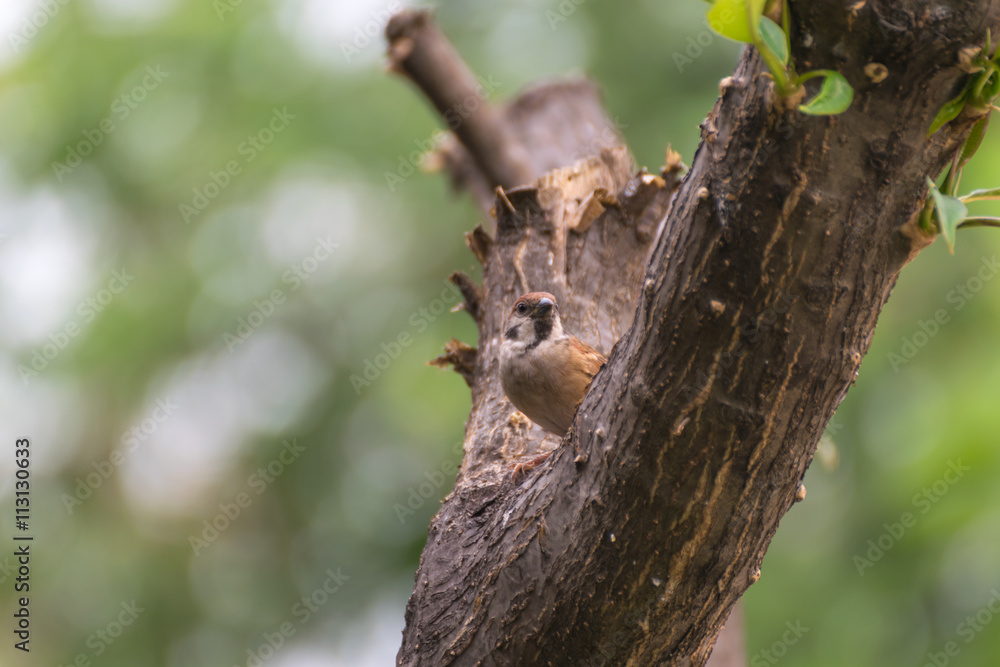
222,272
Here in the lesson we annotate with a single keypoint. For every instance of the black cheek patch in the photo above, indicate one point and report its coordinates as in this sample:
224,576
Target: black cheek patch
543,327
511,333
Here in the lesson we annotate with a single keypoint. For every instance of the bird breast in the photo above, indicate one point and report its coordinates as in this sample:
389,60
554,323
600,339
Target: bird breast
543,384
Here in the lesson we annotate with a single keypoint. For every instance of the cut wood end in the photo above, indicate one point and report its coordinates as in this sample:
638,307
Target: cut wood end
405,22
876,72
400,32
472,293
399,51
607,199
588,210
652,179
610,171
641,189
460,357
800,493
673,164
479,243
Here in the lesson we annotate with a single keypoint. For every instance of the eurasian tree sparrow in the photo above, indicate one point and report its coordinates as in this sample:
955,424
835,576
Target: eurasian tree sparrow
544,371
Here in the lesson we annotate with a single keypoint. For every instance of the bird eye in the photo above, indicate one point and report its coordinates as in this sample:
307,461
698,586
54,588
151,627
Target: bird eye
522,308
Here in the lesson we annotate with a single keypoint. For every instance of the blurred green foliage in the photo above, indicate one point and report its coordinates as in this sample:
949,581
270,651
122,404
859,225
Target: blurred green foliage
199,446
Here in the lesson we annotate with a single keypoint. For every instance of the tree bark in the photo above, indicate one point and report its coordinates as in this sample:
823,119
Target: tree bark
736,313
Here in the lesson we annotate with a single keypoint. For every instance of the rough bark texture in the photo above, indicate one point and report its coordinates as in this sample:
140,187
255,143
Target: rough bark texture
743,314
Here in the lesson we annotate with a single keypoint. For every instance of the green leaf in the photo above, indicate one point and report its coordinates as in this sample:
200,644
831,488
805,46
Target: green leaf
729,19
992,87
975,139
834,97
950,212
774,38
981,195
948,112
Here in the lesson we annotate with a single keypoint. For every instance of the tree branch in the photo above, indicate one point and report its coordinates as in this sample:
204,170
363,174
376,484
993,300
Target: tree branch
738,339
548,126
418,50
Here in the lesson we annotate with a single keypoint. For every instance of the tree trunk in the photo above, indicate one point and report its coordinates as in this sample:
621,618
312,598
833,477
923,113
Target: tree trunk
736,313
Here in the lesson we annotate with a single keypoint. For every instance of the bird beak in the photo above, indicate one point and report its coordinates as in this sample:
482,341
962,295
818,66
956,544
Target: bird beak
543,306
